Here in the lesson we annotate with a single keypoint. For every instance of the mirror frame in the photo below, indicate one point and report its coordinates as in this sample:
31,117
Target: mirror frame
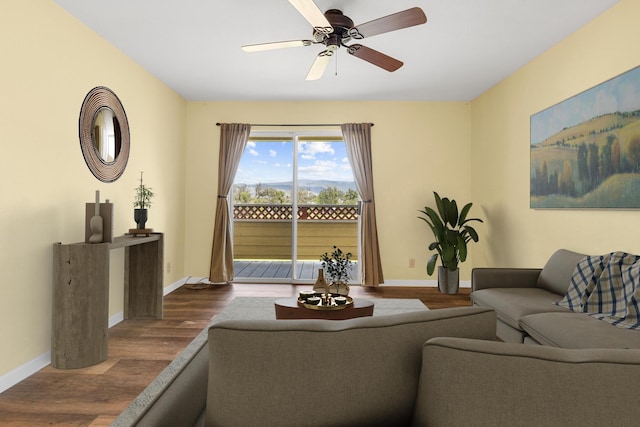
97,98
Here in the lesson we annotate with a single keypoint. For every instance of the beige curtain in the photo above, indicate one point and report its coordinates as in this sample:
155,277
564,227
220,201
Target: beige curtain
357,138
233,140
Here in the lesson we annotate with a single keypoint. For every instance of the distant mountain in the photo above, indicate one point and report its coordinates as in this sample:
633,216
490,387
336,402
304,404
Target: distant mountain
315,186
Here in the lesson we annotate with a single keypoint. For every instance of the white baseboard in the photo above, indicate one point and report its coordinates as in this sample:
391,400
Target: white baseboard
119,317
116,318
175,285
13,377
18,374
422,283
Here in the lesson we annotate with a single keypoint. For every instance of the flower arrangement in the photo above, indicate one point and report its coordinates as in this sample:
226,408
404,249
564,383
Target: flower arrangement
337,265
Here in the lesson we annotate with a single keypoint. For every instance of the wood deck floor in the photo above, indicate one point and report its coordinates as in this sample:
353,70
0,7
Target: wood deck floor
140,349
281,269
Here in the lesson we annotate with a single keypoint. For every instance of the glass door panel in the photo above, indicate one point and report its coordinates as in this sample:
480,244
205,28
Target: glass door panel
263,211
327,204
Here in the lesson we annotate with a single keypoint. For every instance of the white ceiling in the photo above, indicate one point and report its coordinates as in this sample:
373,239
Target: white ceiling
466,46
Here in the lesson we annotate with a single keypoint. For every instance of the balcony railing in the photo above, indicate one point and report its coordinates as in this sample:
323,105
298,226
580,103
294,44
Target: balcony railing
265,231
285,212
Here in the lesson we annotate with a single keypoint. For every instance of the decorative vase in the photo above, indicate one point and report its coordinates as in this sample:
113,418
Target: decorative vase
448,281
96,223
339,288
140,216
96,227
321,284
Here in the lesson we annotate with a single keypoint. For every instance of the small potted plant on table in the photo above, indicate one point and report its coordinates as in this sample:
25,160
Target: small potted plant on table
337,265
141,203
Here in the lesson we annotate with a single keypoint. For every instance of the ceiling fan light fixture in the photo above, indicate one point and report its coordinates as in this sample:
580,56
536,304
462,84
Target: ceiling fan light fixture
334,29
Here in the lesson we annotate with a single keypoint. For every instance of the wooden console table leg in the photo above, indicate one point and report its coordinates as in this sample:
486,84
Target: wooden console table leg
79,335
143,280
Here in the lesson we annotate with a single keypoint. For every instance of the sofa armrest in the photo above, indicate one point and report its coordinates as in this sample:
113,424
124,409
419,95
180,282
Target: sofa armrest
514,384
485,278
176,397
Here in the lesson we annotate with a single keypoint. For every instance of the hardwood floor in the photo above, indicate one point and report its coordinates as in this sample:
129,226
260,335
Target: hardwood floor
140,349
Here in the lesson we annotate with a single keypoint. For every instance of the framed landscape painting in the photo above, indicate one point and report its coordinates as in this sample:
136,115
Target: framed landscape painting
585,151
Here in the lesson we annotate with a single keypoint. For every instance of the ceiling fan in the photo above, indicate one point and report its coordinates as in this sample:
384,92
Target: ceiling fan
334,29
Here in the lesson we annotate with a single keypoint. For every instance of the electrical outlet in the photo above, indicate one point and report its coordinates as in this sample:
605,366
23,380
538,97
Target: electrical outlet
168,267
412,263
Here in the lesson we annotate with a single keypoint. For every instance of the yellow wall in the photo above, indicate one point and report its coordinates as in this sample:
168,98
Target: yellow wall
476,151
49,61
516,235
418,147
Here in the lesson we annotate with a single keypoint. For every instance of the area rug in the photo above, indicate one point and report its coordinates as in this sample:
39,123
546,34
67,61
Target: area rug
262,308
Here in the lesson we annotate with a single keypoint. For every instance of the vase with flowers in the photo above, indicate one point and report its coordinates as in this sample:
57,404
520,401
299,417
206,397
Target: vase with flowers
337,267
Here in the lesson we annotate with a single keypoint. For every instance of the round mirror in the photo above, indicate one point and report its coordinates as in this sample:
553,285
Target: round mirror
104,134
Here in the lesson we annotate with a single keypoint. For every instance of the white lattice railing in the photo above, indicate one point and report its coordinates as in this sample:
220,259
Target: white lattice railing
265,212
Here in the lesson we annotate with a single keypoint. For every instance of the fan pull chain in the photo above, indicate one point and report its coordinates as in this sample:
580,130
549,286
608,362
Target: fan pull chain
337,64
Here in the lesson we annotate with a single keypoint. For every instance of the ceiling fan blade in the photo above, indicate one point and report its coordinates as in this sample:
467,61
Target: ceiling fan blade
313,15
374,57
320,64
397,21
276,45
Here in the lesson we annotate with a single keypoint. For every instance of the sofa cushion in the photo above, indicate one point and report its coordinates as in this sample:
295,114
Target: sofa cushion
511,304
576,330
480,383
556,274
506,333
357,372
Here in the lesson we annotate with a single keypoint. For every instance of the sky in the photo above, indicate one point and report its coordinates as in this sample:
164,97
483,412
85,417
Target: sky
620,94
272,161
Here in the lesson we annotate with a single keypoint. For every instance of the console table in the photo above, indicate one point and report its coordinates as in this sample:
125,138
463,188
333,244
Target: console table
79,335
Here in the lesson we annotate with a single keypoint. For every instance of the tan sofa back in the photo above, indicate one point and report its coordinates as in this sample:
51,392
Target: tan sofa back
556,275
469,382
320,373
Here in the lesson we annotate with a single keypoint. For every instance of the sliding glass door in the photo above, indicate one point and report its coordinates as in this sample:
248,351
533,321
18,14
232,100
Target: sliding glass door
294,198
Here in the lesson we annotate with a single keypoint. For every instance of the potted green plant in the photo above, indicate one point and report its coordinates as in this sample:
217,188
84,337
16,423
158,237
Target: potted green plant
337,266
452,233
141,203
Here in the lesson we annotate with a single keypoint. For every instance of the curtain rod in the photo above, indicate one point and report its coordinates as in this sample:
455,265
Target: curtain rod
294,125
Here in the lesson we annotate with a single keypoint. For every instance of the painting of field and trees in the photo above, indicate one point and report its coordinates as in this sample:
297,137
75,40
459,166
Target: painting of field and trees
585,151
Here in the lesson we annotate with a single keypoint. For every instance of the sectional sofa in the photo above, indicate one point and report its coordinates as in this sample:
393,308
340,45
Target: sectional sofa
386,371
524,298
